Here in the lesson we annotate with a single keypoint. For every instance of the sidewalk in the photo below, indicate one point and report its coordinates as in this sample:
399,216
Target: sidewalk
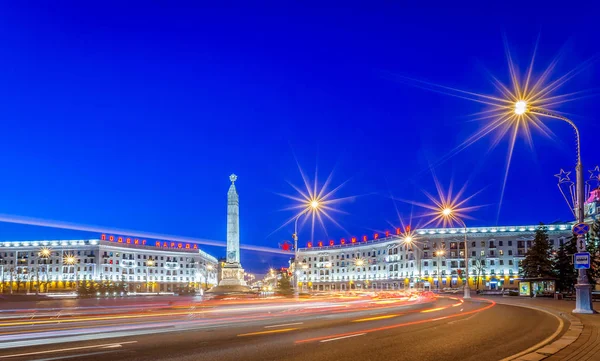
582,339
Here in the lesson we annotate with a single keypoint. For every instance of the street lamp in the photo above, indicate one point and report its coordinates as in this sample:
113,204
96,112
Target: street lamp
312,206
439,254
44,254
208,270
449,214
70,260
149,263
583,290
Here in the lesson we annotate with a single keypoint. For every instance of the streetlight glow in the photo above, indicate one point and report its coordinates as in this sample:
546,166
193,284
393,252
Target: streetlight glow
446,212
45,252
520,107
314,204
70,260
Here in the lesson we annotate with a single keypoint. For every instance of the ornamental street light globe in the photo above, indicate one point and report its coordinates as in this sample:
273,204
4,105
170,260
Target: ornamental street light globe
314,204
520,107
446,211
408,239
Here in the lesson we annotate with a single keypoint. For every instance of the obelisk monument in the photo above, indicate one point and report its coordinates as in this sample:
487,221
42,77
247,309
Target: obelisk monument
232,273
233,223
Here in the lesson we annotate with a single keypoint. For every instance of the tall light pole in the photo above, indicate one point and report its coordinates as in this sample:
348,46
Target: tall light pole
44,254
449,213
149,263
70,260
408,240
583,289
314,205
439,254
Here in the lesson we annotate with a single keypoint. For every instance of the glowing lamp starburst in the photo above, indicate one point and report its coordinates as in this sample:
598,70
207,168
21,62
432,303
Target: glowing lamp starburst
69,259
44,252
316,203
520,107
447,209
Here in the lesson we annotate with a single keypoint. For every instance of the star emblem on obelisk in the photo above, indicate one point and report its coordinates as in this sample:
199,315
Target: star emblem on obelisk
595,173
563,176
233,178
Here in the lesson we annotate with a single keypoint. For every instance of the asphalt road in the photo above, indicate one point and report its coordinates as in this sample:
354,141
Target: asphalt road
354,328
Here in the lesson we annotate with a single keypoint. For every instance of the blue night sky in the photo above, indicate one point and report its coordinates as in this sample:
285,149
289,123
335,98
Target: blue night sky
133,116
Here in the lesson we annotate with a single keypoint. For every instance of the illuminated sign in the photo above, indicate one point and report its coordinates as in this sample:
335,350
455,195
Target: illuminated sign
524,289
143,242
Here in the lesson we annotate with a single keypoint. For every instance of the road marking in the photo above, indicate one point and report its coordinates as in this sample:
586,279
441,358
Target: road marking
116,345
383,328
66,349
339,338
266,332
285,324
434,309
73,356
375,318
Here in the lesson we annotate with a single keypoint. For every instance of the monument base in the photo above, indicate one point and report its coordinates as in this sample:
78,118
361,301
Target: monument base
232,280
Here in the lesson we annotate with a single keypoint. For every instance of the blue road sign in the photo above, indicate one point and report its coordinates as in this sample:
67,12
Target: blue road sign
581,260
581,229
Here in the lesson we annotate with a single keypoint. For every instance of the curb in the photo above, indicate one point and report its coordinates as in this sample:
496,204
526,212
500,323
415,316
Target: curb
548,347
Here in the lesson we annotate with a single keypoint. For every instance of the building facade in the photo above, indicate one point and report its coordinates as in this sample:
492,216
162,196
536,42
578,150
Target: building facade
156,266
434,258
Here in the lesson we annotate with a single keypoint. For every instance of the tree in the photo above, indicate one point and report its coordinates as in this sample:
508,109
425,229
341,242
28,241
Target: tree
284,286
593,247
566,275
479,268
538,260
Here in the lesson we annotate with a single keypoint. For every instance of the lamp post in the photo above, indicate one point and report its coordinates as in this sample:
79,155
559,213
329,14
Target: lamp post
149,263
70,260
408,240
583,289
449,213
207,269
314,206
439,254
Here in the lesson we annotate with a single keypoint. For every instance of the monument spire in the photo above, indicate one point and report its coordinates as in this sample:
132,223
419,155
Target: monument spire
233,223
232,273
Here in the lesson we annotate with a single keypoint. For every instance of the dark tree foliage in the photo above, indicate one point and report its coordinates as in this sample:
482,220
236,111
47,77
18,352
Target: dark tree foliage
538,261
284,285
566,275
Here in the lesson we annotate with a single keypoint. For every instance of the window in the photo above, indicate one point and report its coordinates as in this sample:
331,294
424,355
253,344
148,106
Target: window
510,243
482,243
483,253
426,264
473,253
492,263
510,252
443,263
501,262
500,243
501,252
510,262
473,244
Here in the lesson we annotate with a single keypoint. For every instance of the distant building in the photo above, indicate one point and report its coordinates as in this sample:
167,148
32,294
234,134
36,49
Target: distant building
435,259
157,266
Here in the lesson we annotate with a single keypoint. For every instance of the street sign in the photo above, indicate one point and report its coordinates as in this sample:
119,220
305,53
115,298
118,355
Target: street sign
582,260
581,229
